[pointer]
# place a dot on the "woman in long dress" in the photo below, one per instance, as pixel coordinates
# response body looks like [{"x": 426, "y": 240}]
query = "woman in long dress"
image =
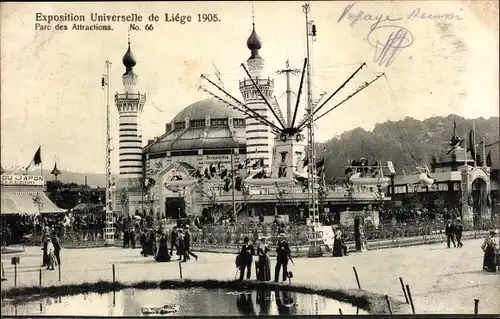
[
  {"x": 489, "y": 247},
  {"x": 151, "y": 243},
  {"x": 337, "y": 244},
  {"x": 162, "y": 255},
  {"x": 263, "y": 263}
]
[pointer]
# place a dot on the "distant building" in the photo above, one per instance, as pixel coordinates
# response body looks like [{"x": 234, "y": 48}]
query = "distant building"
[
  {"x": 454, "y": 181},
  {"x": 25, "y": 195}
]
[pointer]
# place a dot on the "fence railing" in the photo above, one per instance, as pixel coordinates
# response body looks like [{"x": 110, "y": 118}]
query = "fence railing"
[{"x": 298, "y": 235}]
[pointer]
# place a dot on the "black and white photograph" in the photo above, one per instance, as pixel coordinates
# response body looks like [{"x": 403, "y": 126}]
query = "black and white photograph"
[{"x": 250, "y": 159}]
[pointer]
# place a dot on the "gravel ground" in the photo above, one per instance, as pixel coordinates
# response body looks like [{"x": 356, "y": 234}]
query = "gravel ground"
[{"x": 441, "y": 280}]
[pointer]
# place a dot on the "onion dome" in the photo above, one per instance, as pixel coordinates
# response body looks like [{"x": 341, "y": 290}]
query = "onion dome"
[
  {"x": 254, "y": 43},
  {"x": 128, "y": 60}
]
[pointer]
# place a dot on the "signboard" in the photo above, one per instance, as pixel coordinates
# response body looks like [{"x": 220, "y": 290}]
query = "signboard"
[
  {"x": 215, "y": 159},
  {"x": 31, "y": 180}
]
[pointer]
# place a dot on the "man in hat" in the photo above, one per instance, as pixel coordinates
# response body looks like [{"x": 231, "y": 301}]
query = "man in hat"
[
  {"x": 459, "y": 228},
  {"x": 245, "y": 258},
  {"x": 173, "y": 242},
  {"x": 187, "y": 244},
  {"x": 283, "y": 255},
  {"x": 450, "y": 233}
]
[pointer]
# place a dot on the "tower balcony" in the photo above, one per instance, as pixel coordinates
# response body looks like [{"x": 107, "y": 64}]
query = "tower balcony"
[
  {"x": 260, "y": 82},
  {"x": 130, "y": 97}
]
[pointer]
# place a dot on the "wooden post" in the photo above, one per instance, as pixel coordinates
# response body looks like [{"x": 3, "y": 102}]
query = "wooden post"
[
  {"x": 411, "y": 300},
  {"x": 180, "y": 269},
  {"x": 404, "y": 290},
  {"x": 357, "y": 278},
  {"x": 114, "y": 274},
  {"x": 40, "y": 276},
  {"x": 388, "y": 304},
  {"x": 59, "y": 270},
  {"x": 476, "y": 306}
]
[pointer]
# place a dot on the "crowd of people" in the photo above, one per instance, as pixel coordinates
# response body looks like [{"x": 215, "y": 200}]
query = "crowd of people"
[{"x": 154, "y": 242}]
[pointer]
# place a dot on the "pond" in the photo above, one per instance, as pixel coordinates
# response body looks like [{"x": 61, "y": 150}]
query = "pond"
[{"x": 180, "y": 302}]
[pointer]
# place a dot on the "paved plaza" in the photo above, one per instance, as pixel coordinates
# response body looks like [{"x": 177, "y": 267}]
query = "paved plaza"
[{"x": 442, "y": 280}]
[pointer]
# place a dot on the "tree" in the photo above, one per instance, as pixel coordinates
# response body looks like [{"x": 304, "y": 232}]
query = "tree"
[
  {"x": 322, "y": 195},
  {"x": 123, "y": 198}
]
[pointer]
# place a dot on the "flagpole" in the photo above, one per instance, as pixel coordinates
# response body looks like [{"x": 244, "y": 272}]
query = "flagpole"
[
  {"x": 41, "y": 162},
  {"x": 474, "y": 141},
  {"x": 465, "y": 151},
  {"x": 484, "y": 152}
]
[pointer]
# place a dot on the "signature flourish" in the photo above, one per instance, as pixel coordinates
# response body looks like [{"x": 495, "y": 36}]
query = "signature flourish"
[{"x": 389, "y": 41}]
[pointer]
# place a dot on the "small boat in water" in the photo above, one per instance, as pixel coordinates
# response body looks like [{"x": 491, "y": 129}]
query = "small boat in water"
[{"x": 160, "y": 311}]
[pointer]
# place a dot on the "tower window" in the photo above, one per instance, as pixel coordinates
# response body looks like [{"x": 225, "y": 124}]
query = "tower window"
[
  {"x": 219, "y": 122},
  {"x": 225, "y": 122},
  {"x": 283, "y": 156},
  {"x": 213, "y": 122}
]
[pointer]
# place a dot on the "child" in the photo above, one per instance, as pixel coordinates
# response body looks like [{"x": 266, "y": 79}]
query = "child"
[{"x": 51, "y": 254}]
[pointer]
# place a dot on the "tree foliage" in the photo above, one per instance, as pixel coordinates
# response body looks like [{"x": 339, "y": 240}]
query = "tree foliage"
[{"x": 68, "y": 195}]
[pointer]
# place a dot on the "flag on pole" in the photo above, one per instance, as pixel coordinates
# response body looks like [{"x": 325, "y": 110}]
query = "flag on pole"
[
  {"x": 488, "y": 159},
  {"x": 104, "y": 81},
  {"x": 37, "y": 159},
  {"x": 472, "y": 144}
]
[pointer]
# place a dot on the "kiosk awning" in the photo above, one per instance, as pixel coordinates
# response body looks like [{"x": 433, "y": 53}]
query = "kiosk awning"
[{"x": 27, "y": 203}]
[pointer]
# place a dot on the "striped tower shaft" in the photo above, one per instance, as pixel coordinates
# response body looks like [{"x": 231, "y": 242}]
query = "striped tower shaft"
[
  {"x": 258, "y": 135},
  {"x": 130, "y": 140},
  {"x": 130, "y": 105}
]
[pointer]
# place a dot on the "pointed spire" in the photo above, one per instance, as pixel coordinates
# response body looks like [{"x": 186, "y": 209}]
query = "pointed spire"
[
  {"x": 55, "y": 171},
  {"x": 455, "y": 139},
  {"x": 128, "y": 59}
]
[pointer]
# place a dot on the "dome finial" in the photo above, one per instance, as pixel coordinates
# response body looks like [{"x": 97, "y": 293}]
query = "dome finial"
[
  {"x": 253, "y": 42},
  {"x": 128, "y": 59}
]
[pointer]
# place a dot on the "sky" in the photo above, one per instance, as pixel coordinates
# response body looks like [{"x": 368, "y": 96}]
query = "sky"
[{"x": 51, "y": 79}]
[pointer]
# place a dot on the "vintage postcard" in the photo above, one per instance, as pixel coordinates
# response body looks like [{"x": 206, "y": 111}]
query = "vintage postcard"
[{"x": 250, "y": 158}]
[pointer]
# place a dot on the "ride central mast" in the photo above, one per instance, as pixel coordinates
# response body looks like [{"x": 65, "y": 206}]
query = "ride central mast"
[{"x": 315, "y": 249}]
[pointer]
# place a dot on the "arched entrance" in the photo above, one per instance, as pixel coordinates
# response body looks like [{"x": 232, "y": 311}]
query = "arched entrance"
[
  {"x": 175, "y": 207},
  {"x": 479, "y": 198}
]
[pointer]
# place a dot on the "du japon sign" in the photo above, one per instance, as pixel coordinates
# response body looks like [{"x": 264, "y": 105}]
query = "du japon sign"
[{"x": 30, "y": 180}]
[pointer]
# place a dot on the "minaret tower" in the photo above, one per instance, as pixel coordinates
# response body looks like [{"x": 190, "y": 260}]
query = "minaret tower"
[
  {"x": 130, "y": 105},
  {"x": 259, "y": 136}
]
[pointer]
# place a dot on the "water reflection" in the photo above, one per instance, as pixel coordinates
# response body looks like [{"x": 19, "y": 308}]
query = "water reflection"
[{"x": 129, "y": 302}]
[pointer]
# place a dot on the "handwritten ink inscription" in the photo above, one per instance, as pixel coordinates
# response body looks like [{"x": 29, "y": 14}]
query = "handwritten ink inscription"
[
  {"x": 388, "y": 38},
  {"x": 388, "y": 41}
]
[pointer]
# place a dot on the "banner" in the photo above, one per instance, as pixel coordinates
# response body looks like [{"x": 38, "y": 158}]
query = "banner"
[
  {"x": 31, "y": 180},
  {"x": 215, "y": 159}
]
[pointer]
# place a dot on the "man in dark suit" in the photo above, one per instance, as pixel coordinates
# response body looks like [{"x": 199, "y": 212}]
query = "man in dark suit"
[
  {"x": 450, "y": 233},
  {"x": 173, "y": 241},
  {"x": 459, "y": 228},
  {"x": 187, "y": 244},
  {"x": 246, "y": 258},
  {"x": 283, "y": 255}
]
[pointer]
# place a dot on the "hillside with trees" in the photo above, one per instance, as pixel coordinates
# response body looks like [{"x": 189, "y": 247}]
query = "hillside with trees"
[{"x": 407, "y": 143}]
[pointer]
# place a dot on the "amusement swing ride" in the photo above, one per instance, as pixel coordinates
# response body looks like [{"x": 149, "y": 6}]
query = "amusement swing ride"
[{"x": 290, "y": 134}]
